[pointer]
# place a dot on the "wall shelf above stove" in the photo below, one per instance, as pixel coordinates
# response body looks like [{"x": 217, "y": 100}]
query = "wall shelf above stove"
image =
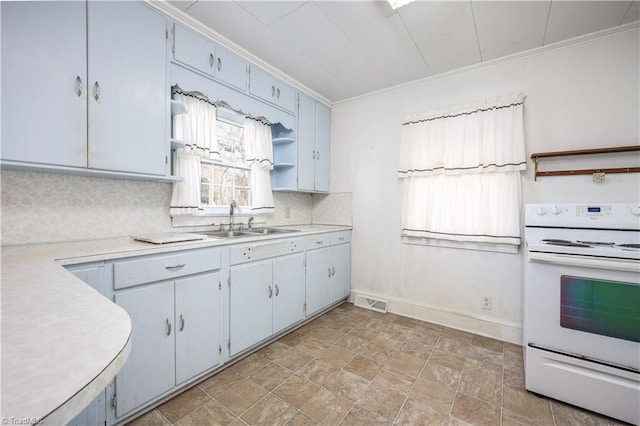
[{"x": 611, "y": 150}]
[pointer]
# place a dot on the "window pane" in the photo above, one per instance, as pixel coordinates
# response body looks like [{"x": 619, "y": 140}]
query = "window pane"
[
  {"x": 242, "y": 177},
  {"x": 242, "y": 196}
]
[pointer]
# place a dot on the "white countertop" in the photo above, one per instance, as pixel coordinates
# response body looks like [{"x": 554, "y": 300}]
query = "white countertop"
[{"x": 63, "y": 342}]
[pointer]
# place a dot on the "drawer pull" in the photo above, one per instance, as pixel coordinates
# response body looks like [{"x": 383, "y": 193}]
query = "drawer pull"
[
  {"x": 340, "y": 238},
  {"x": 181, "y": 322},
  {"x": 320, "y": 241},
  {"x": 168, "y": 327},
  {"x": 175, "y": 267}
]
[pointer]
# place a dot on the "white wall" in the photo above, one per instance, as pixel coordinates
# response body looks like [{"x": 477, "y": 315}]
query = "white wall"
[{"x": 584, "y": 95}]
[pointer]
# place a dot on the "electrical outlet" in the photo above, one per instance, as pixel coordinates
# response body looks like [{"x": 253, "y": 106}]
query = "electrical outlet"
[
  {"x": 486, "y": 303},
  {"x": 287, "y": 212}
]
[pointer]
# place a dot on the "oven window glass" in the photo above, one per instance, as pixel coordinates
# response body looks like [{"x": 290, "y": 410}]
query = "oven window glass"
[{"x": 603, "y": 307}]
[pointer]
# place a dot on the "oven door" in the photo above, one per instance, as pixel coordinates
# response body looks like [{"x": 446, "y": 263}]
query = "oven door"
[{"x": 584, "y": 307}]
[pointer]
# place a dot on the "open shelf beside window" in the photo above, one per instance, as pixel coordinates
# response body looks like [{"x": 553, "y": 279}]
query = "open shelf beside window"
[
  {"x": 539, "y": 155},
  {"x": 285, "y": 158}
]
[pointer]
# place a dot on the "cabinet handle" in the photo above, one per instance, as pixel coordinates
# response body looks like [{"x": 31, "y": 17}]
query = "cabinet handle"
[
  {"x": 78, "y": 86},
  {"x": 181, "y": 322},
  {"x": 270, "y": 292},
  {"x": 175, "y": 267},
  {"x": 273, "y": 91},
  {"x": 219, "y": 64},
  {"x": 211, "y": 60},
  {"x": 341, "y": 239},
  {"x": 314, "y": 154},
  {"x": 278, "y": 93},
  {"x": 96, "y": 91},
  {"x": 333, "y": 271},
  {"x": 168, "y": 327},
  {"x": 277, "y": 290},
  {"x": 329, "y": 269},
  {"x": 320, "y": 241},
  {"x": 317, "y": 155}
]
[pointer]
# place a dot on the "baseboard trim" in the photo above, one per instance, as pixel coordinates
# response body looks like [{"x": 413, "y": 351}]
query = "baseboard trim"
[{"x": 490, "y": 327}]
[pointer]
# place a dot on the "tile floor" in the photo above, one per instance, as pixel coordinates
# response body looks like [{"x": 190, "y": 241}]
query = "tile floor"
[{"x": 353, "y": 366}]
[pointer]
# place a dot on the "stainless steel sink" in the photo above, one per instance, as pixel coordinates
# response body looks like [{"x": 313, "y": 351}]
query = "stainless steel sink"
[
  {"x": 270, "y": 230},
  {"x": 227, "y": 234},
  {"x": 254, "y": 232}
]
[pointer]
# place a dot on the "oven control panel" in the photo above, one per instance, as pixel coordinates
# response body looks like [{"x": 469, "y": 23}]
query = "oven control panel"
[
  {"x": 584, "y": 215},
  {"x": 594, "y": 211}
]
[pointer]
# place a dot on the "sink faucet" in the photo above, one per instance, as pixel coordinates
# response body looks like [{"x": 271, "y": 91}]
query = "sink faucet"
[
  {"x": 233, "y": 206},
  {"x": 250, "y": 222}
]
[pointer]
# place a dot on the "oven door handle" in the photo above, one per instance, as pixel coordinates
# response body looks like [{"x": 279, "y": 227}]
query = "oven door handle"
[{"x": 585, "y": 262}]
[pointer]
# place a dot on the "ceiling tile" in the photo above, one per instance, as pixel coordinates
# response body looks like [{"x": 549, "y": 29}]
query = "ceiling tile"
[
  {"x": 507, "y": 27},
  {"x": 181, "y": 4},
  {"x": 351, "y": 16},
  {"x": 387, "y": 44},
  {"x": 312, "y": 75},
  {"x": 444, "y": 32},
  {"x": 633, "y": 14},
  {"x": 268, "y": 12},
  {"x": 235, "y": 23},
  {"x": 568, "y": 19}
]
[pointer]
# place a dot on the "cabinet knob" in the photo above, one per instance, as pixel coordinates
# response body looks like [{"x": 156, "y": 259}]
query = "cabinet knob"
[
  {"x": 78, "y": 86},
  {"x": 96, "y": 91}
]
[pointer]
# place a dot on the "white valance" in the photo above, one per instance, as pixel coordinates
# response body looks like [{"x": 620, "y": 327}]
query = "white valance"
[
  {"x": 259, "y": 146},
  {"x": 461, "y": 170},
  {"x": 197, "y": 126},
  {"x": 482, "y": 137}
]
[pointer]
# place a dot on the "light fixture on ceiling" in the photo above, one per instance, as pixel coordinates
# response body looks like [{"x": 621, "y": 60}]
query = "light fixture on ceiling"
[{"x": 398, "y": 3}]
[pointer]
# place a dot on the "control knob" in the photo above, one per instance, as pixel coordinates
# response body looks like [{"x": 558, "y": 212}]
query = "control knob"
[
  {"x": 556, "y": 210},
  {"x": 541, "y": 211},
  {"x": 635, "y": 210}
]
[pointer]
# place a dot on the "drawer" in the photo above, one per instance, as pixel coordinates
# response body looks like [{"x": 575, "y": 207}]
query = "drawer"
[
  {"x": 257, "y": 251},
  {"x": 317, "y": 241},
  {"x": 147, "y": 269},
  {"x": 340, "y": 237}
]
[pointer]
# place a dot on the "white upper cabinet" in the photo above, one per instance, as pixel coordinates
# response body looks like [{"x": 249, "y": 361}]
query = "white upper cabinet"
[
  {"x": 209, "y": 58},
  {"x": 128, "y": 90},
  {"x": 269, "y": 88},
  {"x": 314, "y": 145},
  {"x": 44, "y": 84},
  {"x": 72, "y": 69}
]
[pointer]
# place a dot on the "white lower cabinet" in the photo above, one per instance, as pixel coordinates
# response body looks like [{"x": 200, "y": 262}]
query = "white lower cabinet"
[
  {"x": 328, "y": 273},
  {"x": 265, "y": 297},
  {"x": 175, "y": 334}
]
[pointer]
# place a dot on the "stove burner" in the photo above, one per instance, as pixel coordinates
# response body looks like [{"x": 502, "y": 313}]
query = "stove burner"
[
  {"x": 566, "y": 243},
  {"x": 628, "y": 246},
  {"x": 597, "y": 243}
]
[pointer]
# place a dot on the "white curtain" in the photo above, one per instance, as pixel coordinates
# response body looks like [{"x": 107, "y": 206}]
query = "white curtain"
[
  {"x": 259, "y": 147},
  {"x": 196, "y": 127},
  {"x": 461, "y": 169}
]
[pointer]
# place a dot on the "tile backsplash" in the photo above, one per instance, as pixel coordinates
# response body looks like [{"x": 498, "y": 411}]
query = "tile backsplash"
[{"x": 43, "y": 207}]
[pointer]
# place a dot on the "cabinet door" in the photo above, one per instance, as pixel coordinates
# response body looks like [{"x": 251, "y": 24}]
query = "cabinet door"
[
  {"x": 288, "y": 284},
  {"x": 231, "y": 68},
  {"x": 341, "y": 272},
  {"x": 44, "y": 68},
  {"x": 250, "y": 307},
  {"x": 306, "y": 142},
  {"x": 197, "y": 326},
  {"x": 150, "y": 368},
  {"x": 271, "y": 89},
  {"x": 127, "y": 74},
  {"x": 318, "y": 289},
  {"x": 323, "y": 147},
  {"x": 193, "y": 50}
]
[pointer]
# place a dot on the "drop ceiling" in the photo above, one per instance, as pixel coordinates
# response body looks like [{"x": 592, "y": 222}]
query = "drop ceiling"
[{"x": 343, "y": 49}]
